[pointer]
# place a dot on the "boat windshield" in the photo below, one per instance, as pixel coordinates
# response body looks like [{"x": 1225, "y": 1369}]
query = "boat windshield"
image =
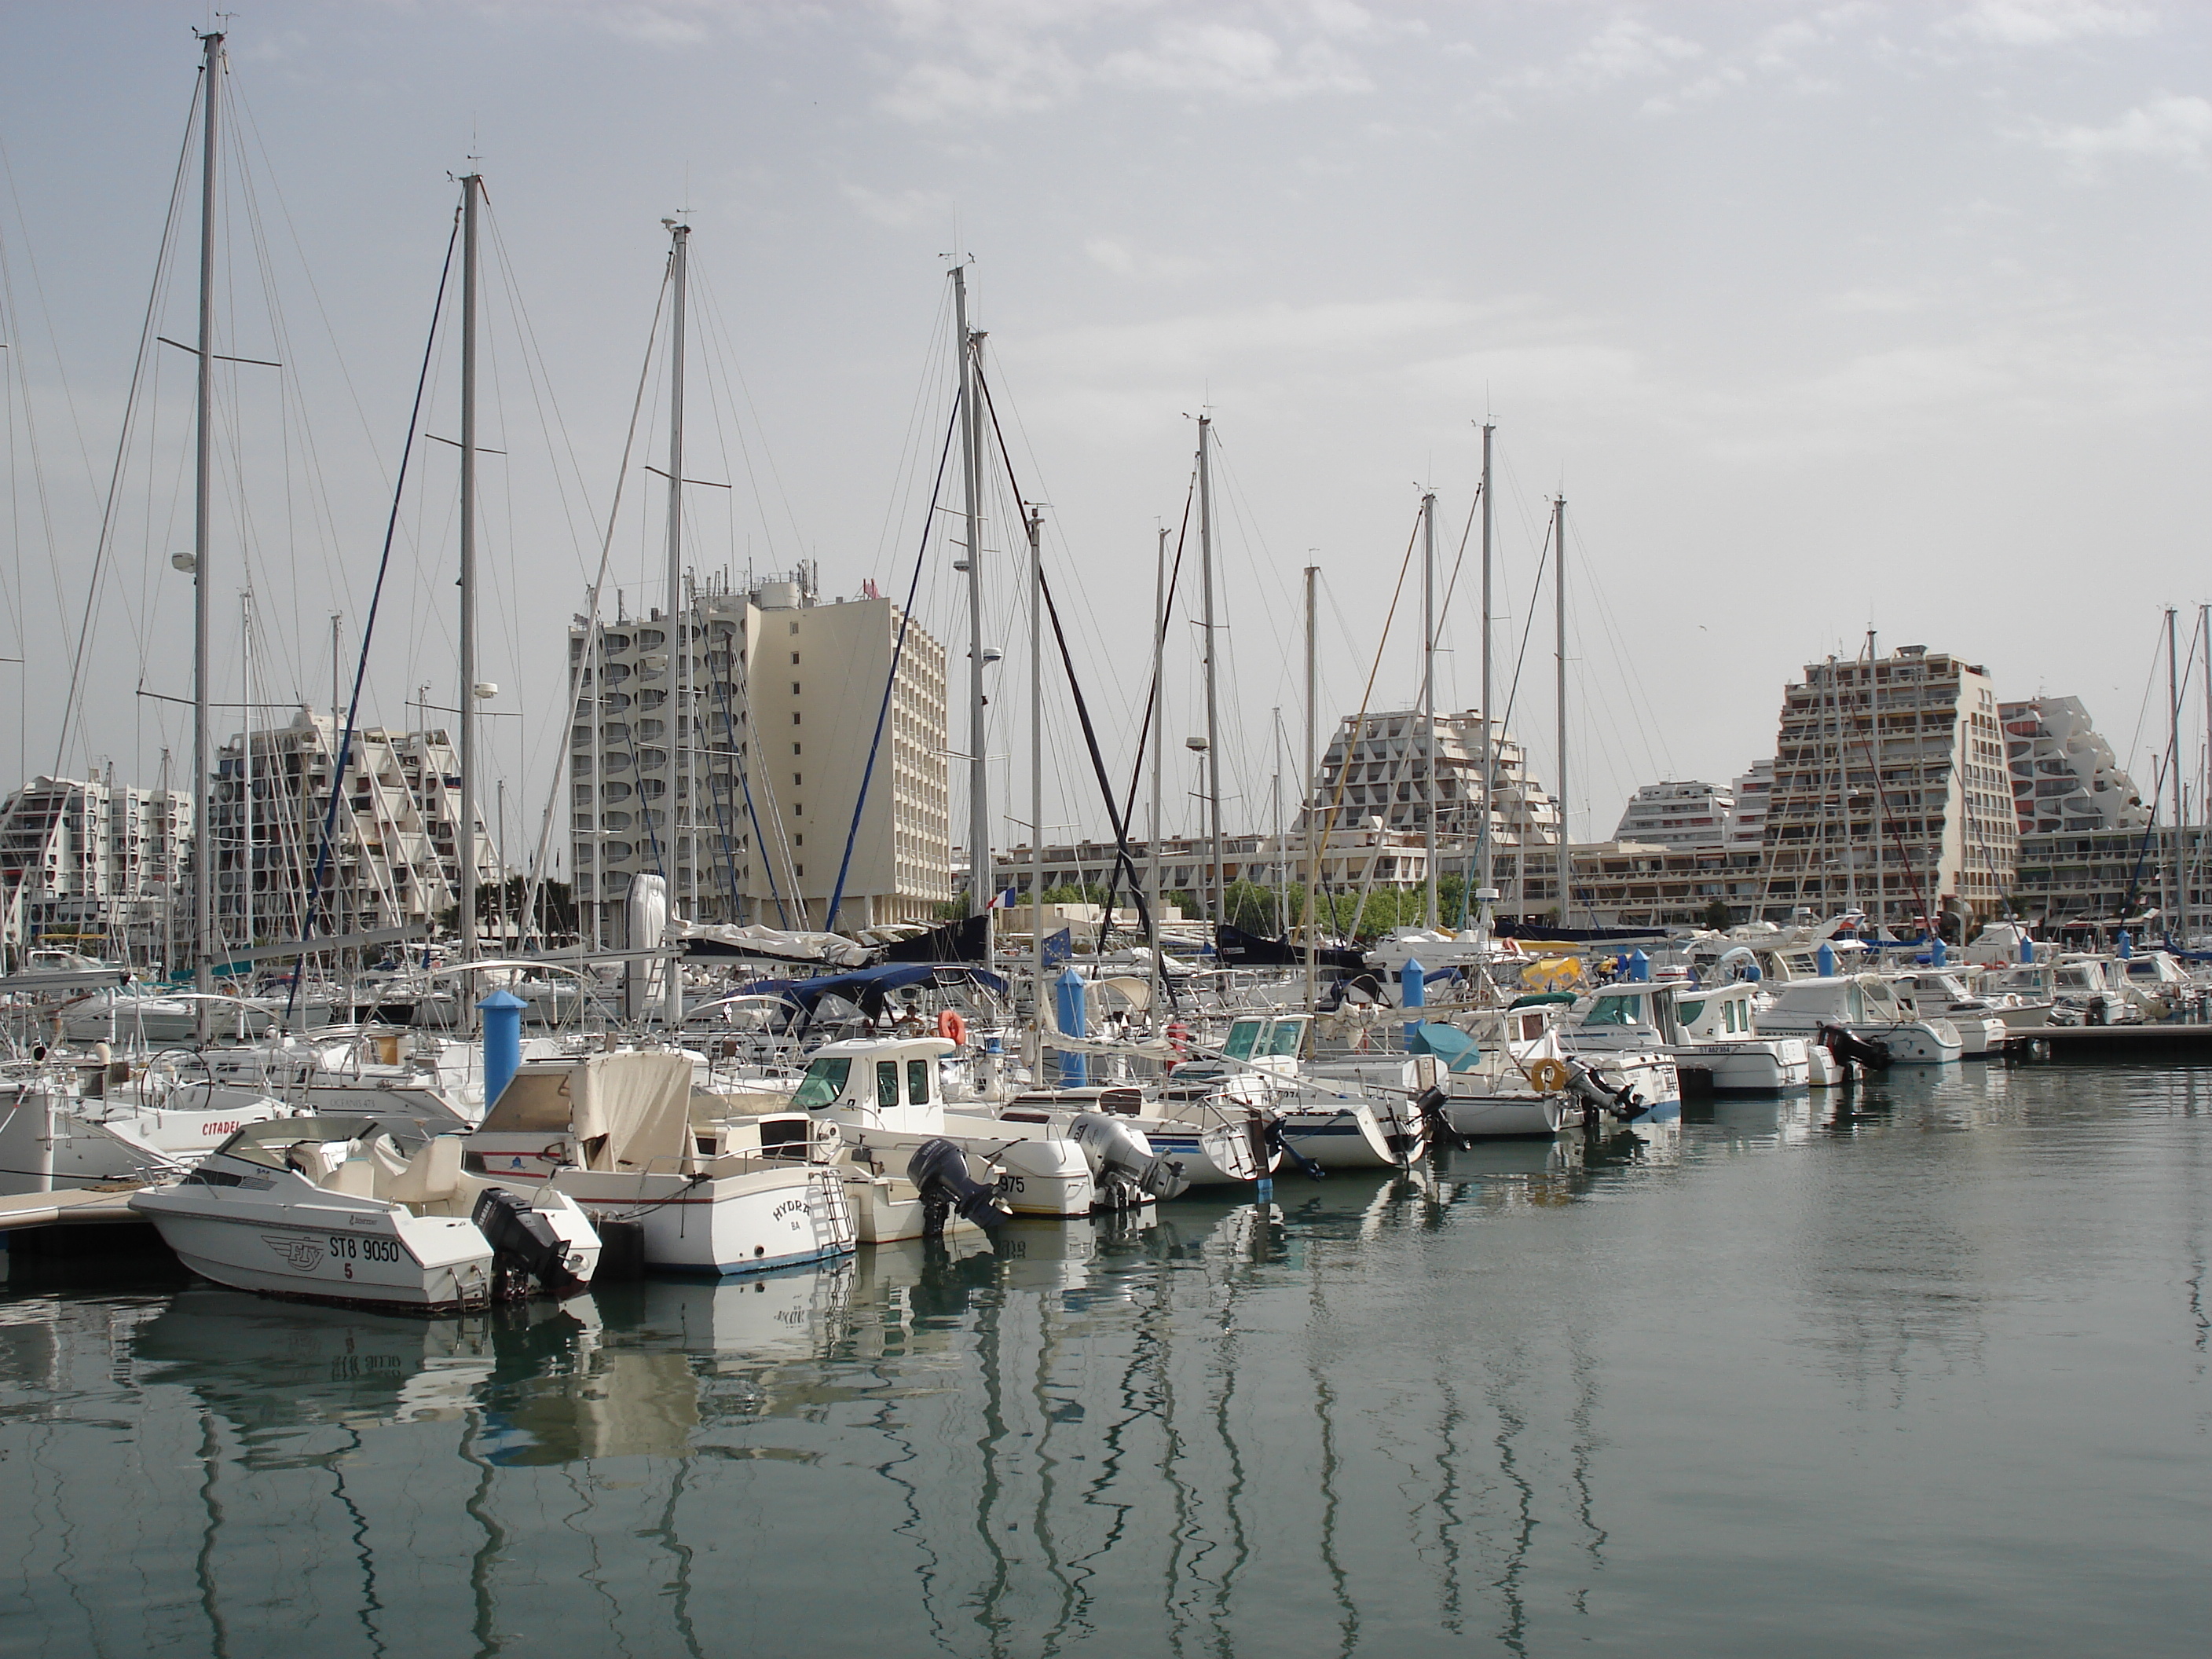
[
  {"x": 824, "y": 1082},
  {"x": 267, "y": 1142},
  {"x": 1615, "y": 1010},
  {"x": 1286, "y": 1038},
  {"x": 1692, "y": 1012},
  {"x": 1243, "y": 1037}
]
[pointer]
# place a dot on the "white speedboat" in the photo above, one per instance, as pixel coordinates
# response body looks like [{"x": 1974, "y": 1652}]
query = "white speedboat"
[
  {"x": 54, "y": 1136},
  {"x": 1349, "y": 1112},
  {"x": 1865, "y": 1007},
  {"x": 614, "y": 1132},
  {"x": 1219, "y": 1141},
  {"x": 886, "y": 1097},
  {"x": 1720, "y": 1041},
  {"x": 1938, "y": 993},
  {"x": 1626, "y": 1031},
  {"x": 328, "y": 1210}
]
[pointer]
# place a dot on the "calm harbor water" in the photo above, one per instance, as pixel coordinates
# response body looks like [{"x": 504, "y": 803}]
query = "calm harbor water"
[{"x": 1924, "y": 1372}]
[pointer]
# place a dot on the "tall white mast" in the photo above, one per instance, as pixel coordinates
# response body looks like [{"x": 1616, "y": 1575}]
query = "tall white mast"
[
  {"x": 678, "y": 704},
  {"x": 2177, "y": 916},
  {"x": 1484, "y": 885},
  {"x": 1559, "y": 601},
  {"x": 1310, "y": 799},
  {"x": 202, "y": 496},
  {"x": 1429, "y": 695},
  {"x": 1042, "y": 1001},
  {"x": 1159, "y": 726},
  {"x": 465, "y": 839},
  {"x": 1213, "y": 702},
  {"x": 245, "y": 859},
  {"x": 2204, "y": 806},
  {"x": 1881, "y": 804},
  {"x": 982, "y": 888}
]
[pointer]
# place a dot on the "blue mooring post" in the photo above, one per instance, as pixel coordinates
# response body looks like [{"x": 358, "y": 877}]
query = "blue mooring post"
[
  {"x": 1939, "y": 951},
  {"x": 2026, "y": 948},
  {"x": 1823, "y": 959},
  {"x": 1639, "y": 967},
  {"x": 2127, "y": 946},
  {"x": 502, "y": 1029},
  {"x": 1067, "y": 991},
  {"x": 1412, "y": 991}
]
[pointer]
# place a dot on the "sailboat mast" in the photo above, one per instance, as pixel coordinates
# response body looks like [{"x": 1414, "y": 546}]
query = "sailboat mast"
[
  {"x": 982, "y": 888},
  {"x": 1484, "y": 852},
  {"x": 1880, "y": 805},
  {"x": 679, "y": 728},
  {"x": 1036, "y": 779},
  {"x": 465, "y": 839},
  {"x": 2205, "y": 807},
  {"x": 1429, "y": 697},
  {"x": 1310, "y": 800},
  {"x": 1212, "y": 702},
  {"x": 245, "y": 767},
  {"x": 1559, "y": 622},
  {"x": 203, "y": 498},
  {"x": 2176, "y": 915},
  {"x": 1159, "y": 726}
]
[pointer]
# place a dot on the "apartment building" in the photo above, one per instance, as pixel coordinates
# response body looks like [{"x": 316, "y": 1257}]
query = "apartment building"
[
  {"x": 1892, "y": 790},
  {"x": 92, "y": 859},
  {"x": 1753, "y": 792},
  {"x": 396, "y": 846},
  {"x": 727, "y": 753},
  {"x": 1387, "y": 767},
  {"x": 1351, "y": 859},
  {"x": 1678, "y": 815},
  {"x": 2064, "y": 775}
]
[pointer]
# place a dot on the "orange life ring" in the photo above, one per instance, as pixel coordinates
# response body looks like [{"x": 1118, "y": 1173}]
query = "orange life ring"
[
  {"x": 1548, "y": 1076},
  {"x": 951, "y": 1025}
]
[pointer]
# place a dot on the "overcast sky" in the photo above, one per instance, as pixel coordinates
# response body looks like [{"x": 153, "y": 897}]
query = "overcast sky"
[{"x": 1824, "y": 317}]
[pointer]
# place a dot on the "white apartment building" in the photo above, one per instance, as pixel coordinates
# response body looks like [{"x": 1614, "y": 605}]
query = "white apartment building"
[
  {"x": 764, "y": 707},
  {"x": 1890, "y": 791},
  {"x": 2064, "y": 775},
  {"x": 92, "y": 859},
  {"x": 396, "y": 852},
  {"x": 1386, "y": 768},
  {"x": 1351, "y": 857},
  {"x": 1754, "y": 793},
  {"x": 1677, "y": 815}
]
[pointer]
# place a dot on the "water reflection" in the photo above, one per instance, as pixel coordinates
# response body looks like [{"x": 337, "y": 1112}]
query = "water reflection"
[{"x": 1390, "y": 1415}]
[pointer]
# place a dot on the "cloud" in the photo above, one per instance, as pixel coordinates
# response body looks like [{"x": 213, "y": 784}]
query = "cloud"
[
  {"x": 2045, "y": 22},
  {"x": 2167, "y": 128},
  {"x": 1625, "y": 49},
  {"x": 1123, "y": 260},
  {"x": 1236, "y": 61},
  {"x": 902, "y": 208}
]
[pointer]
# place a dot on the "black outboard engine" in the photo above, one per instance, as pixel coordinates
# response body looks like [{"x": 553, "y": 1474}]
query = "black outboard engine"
[
  {"x": 1123, "y": 1163},
  {"x": 1429, "y": 1103},
  {"x": 1601, "y": 1098},
  {"x": 1848, "y": 1048},
  {"x": 940, "y": 1169},
  {"x": 524, "y": 1248},
  {"x": 1276, "y": 1141}
]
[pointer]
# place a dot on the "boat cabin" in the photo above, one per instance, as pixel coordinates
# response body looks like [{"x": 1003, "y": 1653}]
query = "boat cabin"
[
  {"x": 890, "y": 1082},
  {"x": 1849, "y": 998},
  {"x": 1720, "y": 1013}
]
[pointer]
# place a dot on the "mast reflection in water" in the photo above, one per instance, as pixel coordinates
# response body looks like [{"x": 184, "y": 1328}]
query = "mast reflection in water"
[{"x": 1671, "y": 1389}]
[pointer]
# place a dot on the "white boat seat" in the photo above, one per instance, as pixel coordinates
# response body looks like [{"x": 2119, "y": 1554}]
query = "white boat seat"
[
  {"x": 433, "y": 1174},
  {"x": 356, "y": 1178}
]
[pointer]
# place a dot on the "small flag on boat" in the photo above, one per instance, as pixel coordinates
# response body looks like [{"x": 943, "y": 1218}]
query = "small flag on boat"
[{"x": 1001, "y": 901}]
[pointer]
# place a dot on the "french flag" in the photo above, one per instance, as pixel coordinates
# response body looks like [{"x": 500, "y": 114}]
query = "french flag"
[{"x": 1001, "y": 901}]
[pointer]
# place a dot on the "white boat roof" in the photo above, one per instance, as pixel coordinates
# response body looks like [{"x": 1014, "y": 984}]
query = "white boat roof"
[{"x": 883, "y": 1048}]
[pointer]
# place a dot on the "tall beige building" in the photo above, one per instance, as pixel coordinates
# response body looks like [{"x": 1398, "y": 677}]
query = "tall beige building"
[
  {"x": 92, "y": 859},
  {"x": 1890, "y": 791},
  {"x": 774, "y": 717}
]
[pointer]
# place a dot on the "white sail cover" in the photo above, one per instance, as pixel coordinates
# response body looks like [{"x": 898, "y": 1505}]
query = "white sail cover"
[
  {"x": 646, "y": 908},
  {"x": 641, "y": 1103},
  {"x": 782, "y": 945}
]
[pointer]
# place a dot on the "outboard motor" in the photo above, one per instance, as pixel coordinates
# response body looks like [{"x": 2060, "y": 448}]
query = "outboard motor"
[
  {"x": 1122, "y": 1162},
  {"x": 1848, "y": 1048},
  {"x": 1276, "y": 1141},
  {"x": 1430, "y": 1103},
  {"x": 940, "y": 1169},
  {"x": 1601, "y": 1098},
  {"x": 524, "y": 1247},
  {"x": 1404, "y": 1131}
]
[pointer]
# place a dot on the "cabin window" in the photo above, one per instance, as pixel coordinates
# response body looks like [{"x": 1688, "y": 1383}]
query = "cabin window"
[
  {"x": 887, "y": 1082},
  {"x": 917, "y": 1083},
  {"x": 1243, "y": 1036},
  {"x": 1287, "y": 1038},
  {"x": 825, "y": 1081},
  {"x": 1691, "y": 1012},
  {"x": 1613, "y": 1010}
]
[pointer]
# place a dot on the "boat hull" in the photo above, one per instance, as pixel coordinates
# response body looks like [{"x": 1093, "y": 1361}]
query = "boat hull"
[
  {"x": 753, "y": 1222},
  {"x": 355, "y": 1256}
]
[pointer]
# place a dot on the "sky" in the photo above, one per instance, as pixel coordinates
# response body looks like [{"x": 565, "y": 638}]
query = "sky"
[{"x": 1822, "y": 318}]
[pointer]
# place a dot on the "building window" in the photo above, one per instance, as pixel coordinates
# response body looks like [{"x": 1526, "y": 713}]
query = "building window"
[
  {"x": 794, "y": 717},
  {"x": 794, "y": 660},
  {"x": 797, "y": 780}
]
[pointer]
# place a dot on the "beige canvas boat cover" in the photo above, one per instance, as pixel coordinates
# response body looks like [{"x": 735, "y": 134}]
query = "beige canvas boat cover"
[{"x": 626, "y": 1110}]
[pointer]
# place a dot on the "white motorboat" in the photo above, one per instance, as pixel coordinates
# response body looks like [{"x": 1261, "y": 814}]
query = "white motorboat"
[
  {"x": 55, "y": 1134},
  {"x": 1349, "y": 1112},
  {"x": 327, "y": 1209},
  {"x": 1863, "y": 1006},
  {"x": 1719, "y": 1040},
  {"x": 614, "y": 1132},
  {"x": 1627, "y": 1031},
  {"x": 886, "y": 1097},
  {"x": 1938, "y": 993},
  {"x": 1218, "y": 1141}
]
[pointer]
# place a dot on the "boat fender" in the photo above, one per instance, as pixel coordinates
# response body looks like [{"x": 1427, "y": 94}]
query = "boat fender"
[
  {"x": 1548, "y": 1076},
  {"x": 939, "y": 1171},
  {"x": 523, "y": 1246},
  {"x": 1114, "y": 1149},
  {"x": 952, "y": 1027}
]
